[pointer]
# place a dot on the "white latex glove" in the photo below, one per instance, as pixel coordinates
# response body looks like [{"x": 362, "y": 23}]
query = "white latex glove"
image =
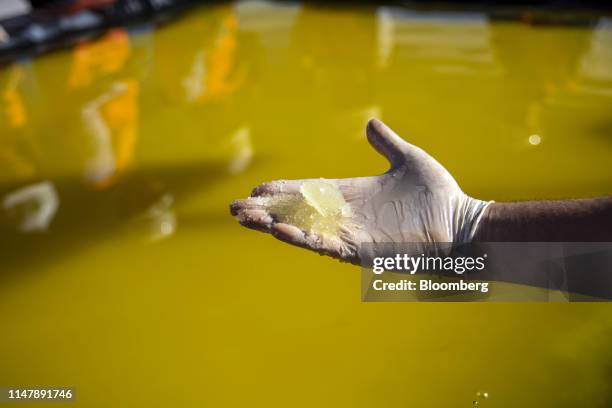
[{"x": 417, "y": 200}]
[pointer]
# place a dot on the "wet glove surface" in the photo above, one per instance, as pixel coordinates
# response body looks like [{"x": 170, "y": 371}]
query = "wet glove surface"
[{"x": 416, "y": 200}]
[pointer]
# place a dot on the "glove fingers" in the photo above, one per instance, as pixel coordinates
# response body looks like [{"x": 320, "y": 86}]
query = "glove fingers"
[
  {"x": 277, "y": 187},
  {"x": 323, "y": 245},
  {"x": 251, "y": 203},
  {"x": 259, "y": 220},
  {"x": 290, "y": 234}
]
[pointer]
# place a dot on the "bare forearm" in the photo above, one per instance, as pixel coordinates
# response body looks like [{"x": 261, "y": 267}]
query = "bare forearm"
[{"x": 581, "y": 220}]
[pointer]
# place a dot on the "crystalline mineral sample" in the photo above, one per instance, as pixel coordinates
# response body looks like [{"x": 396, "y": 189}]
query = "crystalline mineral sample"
[
  {"x": 323, "y": 197},
  {"x": 319, "y": 208}
]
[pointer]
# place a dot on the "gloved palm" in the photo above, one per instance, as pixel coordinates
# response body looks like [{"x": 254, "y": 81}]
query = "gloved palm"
[{"x": 417, "y": 200}]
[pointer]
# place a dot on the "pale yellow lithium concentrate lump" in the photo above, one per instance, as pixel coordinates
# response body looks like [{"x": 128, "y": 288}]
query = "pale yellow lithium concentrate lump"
[{"x": 319, "y": 208}]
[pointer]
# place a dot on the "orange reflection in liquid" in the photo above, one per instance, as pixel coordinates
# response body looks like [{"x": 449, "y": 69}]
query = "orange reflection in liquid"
[
  {"x": 121, "y": 114},
  {"x": 16, "y": 149},
  {"x": 106, "y": 55},
  {"x": 13, "y": 101},
  {"x": 222, "y": 79},
  {"x": 112, "y": 118}
]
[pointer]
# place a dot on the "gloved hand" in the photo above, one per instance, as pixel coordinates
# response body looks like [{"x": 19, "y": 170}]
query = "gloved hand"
[{"x": 417, "y": 200}]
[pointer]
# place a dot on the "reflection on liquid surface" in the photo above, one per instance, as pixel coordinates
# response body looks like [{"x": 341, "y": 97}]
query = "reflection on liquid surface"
[{"x": 124, "y": 276}]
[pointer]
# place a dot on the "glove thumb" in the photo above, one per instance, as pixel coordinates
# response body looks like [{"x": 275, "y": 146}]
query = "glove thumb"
[{"x": 386, "y": 142}]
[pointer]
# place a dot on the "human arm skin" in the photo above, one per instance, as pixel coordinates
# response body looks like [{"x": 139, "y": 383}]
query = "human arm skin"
[
  {"x": 579, "y": 220},
  {"x": 568, "y": 244}
]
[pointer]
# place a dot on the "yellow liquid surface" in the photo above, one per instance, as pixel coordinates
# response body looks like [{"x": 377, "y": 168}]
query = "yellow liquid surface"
[{"x": 125, "y": 277}]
